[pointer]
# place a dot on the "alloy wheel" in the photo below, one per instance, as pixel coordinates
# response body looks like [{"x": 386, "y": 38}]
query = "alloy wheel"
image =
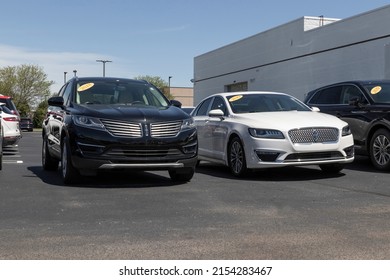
[{"x": 381, "y": 150}]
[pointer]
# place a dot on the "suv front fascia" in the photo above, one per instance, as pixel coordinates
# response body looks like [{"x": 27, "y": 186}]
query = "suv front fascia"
[{"x": 87, "y": 137}]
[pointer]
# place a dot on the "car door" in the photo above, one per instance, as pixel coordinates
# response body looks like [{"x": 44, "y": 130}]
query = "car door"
[
  {"x": 218, "y": 130},
  {"x": 200, "y": 116},
  {"x": 55, "y": 120},
  {"x": 345, "y": 101},
  {"x": 354, "y": 109}
]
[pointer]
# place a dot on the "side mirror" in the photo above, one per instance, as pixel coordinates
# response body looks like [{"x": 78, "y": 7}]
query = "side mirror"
[
  {"x": 315, "y": 109},
  {"x": 355, "y": 102},
  {"x": 176, "y": 103},
  {"x": 216, "y": 113},
  {"x": 57, "y": 101}
]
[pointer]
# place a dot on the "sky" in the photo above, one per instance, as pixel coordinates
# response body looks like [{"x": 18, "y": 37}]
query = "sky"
[{"x": 142, "y": 37}]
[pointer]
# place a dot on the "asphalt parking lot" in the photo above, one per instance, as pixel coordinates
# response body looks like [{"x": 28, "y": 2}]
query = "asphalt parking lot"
[{"x": 289, "y": 213}]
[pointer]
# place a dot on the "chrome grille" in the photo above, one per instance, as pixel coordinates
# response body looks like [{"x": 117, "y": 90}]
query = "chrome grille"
[
  {"x": 314, "y": 135},
  {"x": 122, "y": 128},
  {"x": 168, "y": 129},
  {"x": 141, "y": 153},
  {"x": 305, "y": 157}
]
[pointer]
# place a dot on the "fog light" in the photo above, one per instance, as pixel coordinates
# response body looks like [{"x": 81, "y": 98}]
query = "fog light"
[
  {"x": 350, "y": 151},
  {"x": 190, "y": 149},
  {"x": 267, "y": 156}
]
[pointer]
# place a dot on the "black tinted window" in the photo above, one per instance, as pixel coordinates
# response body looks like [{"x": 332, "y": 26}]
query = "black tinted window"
[
  {"x": 351, "y": 92},
  {"x": 218, "y": 103},
  {"x": 379, "y": 92},
  {"x": 330, "y": 95},
  {"x": 125, "y": 93},
  {"x": 203, "y": 108}
]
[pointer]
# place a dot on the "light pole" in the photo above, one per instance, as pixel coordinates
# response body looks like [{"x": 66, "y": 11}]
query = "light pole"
[
  {"x": 104, "y": 65},
  {"x": 65, "y": 77},
  {"x": 75, "y": 72},
  {"x": 169, "y": 85}
]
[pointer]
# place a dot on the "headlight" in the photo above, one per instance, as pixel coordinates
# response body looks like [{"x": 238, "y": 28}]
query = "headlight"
[
  {"x": 188, "y": 124},
  {"x": 89, "y": 122},
  {"x": 346, "y": 131},
  {"x": 266, "y": 133}
]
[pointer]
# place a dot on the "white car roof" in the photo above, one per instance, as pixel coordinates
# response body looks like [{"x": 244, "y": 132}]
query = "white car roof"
[{"x": 224, "y": 94}]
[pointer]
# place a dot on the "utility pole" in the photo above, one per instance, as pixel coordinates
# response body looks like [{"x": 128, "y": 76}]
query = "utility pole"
[
  {"x": 169, "y": 85},
  {"x": 104, "y": 65}
]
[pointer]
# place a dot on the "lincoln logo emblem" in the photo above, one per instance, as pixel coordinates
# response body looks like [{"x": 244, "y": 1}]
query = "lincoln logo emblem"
[
  {"x": 146, "y": 130},
  {"x": 315, "y": 135}
]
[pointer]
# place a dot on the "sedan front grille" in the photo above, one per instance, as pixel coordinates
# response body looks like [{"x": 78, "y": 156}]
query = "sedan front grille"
[
  {"x": 314, "y": 135},
  {"x": 122, "y": 128},
  {"x": 169, "y": 129}
]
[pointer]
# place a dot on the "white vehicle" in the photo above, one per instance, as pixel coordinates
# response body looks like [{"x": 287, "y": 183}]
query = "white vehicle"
[
  {"x": 1, "y": 143},
  {"x": 251, "y": 130},
  {"x": 10, "y": 126}
]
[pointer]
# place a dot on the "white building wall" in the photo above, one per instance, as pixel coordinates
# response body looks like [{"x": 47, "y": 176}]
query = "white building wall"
[{"x": 289, "y": 59}]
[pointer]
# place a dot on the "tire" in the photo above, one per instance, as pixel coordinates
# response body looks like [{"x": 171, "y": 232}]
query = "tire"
[
  {"x": 332, "y": 168},
  {"x": 48, "y": 162},
  {"x": 70, "y": 175},
  {"x": 380, "y": 149},
  {"x": 182, "y": 174},
  {"x": 236, "y": 158}
]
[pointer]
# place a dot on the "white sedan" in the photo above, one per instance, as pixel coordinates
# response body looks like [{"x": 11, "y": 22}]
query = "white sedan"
[{"x": 251, "y": 130}]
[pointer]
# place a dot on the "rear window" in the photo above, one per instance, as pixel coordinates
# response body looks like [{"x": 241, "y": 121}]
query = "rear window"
[{"x": 9, "y": 104}]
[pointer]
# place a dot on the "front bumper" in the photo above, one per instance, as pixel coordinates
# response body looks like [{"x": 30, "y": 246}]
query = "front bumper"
[
  {"x": 11, "y": 140},
  {"x": 99, "y": 150},
  {"x": 265, "y": 153}
]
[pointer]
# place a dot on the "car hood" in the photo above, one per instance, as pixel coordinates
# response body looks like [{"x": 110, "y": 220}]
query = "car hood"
[
  {"x": 131, "y": 113},
  {"x": 291, "y": 119}
]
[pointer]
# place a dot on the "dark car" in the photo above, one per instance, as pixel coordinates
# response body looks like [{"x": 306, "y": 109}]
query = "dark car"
[
  {"x": 26, "y": 124},
  {"x": 111, "y": 123},
  {"x": 365, "y": 106},
  {"x": 7, "y": 100}
]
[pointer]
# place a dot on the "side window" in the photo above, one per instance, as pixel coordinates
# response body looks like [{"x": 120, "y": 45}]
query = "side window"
[
  {"x": 351, "y": 92},
  {"x": 61, "y": 92},
  {"x": 219, "y": 103},
  {"x": 67, "y": 94},
  {"x": 203, "y": 108},
  {"x": 328, "y": 96}
]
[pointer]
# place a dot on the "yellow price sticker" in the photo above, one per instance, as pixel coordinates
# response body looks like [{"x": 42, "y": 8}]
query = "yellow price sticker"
[
  {"x": 85, "y": 86},
  {"x": 376, "y": 90},
  {"x": 235, "y": 98}
]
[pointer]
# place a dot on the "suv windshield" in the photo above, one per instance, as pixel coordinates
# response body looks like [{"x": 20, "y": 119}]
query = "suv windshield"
[
  {"x": 254, "y": 103},
  {"x": 122, "y": 93},
  {"x": 379, "y": 92}
]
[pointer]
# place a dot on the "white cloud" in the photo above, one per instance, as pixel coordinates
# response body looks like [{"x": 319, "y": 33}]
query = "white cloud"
[{"x": 54, "y": 64}]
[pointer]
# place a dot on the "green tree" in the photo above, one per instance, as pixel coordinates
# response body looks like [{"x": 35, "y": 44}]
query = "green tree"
[
  {"x": 27, "y": 84},
  {"x": 158, "y": 82},
  {"x": 40, "y": 114}
]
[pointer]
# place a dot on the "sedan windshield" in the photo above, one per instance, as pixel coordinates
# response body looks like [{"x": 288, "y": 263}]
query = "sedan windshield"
[
  {"x": 379, "y": 92},
  {"x": 119, "y": 93},
  {"x": 254, "y": 103}
]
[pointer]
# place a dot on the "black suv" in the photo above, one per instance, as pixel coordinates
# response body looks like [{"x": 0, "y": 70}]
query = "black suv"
[
  {"x": 111, "y": 123},
  {"x": 365, "y": 106}
]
